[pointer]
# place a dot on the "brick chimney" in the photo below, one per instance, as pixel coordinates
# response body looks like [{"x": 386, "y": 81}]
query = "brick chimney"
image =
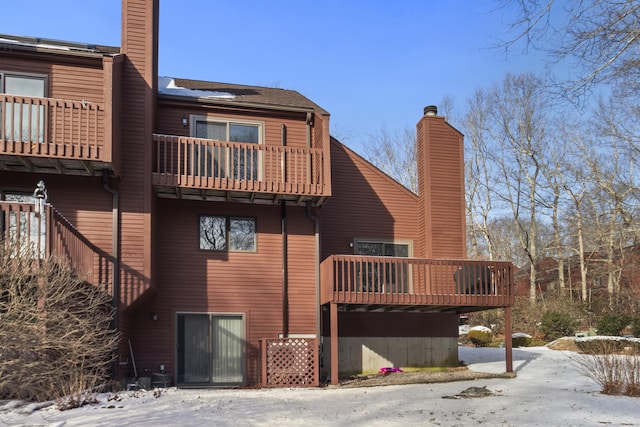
[{"x": 440, "y": 151}]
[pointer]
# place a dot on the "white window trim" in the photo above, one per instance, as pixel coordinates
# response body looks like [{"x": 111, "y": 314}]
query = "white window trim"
[{"x": 194, "y": 118}]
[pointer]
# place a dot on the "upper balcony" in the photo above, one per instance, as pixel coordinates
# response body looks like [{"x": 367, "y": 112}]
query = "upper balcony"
[
  {"x": 413, "y": 284},
  {"x": 205, "y": 169},
  {"x": 58, "y": 136}
]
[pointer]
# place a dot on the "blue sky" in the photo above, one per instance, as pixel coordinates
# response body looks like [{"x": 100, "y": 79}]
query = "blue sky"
[{"x": 369, "y": 63}]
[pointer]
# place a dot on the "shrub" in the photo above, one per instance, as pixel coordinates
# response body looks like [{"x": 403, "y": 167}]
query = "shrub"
[
  {"x": 612, "y": 324},
  {"x": 520, "y": 339},
  {"x": 607, "y": 345},
  {"x": 55, "y": 336},
  {"x": 556, "y": 325},
  {"x": 616, "y": 373},
  {"x": 480, "y": 336}
]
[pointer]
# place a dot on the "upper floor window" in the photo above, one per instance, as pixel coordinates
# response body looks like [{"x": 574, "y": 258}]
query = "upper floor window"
[
  {"x": 222, "y": 233},
  {"x": 24, "y": 120},
  {"x": 237, "y": 161}
]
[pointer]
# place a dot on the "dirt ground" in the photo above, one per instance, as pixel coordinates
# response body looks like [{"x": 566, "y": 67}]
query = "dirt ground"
[{"x": 419, "y": 377}]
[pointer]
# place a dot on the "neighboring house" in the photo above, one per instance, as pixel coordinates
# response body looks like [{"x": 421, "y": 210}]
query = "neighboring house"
[
  {"x": 604, "y": 277},
  {"x": 241, "y": 244}
]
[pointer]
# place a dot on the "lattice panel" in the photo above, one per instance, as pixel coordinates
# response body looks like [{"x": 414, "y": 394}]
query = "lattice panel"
[{"x": 290, "y": 362}]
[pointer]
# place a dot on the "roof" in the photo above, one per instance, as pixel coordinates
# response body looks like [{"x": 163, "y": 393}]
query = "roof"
[
  {"x": 217, "y": 92},
  {"x": 39, "y": 44},
  {"x": 203, "y": 91}
]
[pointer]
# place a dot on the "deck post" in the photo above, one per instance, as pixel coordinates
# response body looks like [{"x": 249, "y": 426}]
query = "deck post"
[
  {"x": 508, "y": 345},
  {"x": 333, "y": 317}
]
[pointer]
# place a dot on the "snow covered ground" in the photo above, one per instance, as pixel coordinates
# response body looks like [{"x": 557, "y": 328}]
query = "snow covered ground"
[{"x": 548, "y": 391}]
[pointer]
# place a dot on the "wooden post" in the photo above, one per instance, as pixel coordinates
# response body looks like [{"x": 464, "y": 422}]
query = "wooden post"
[
  {"x": 333, "y": 316},
  {"x": 507, "y": 339}
]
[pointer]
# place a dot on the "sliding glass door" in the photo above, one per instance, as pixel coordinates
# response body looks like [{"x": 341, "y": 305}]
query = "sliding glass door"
[{"x": 210, "y": 349}]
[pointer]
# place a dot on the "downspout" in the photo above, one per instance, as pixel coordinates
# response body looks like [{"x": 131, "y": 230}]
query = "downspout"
[
  {"x": 115, "y": 245},
  {"x": 309, "y": 123},
  {"x": 285, "y": 246}
]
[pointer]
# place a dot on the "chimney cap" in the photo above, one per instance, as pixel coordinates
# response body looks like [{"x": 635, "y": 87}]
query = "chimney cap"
[{"x": 430, "y": 110}]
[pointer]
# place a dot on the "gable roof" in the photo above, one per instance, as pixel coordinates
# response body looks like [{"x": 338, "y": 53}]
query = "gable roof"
[
  {"x": 373, "y": 168},
  {"x": 217, "y": 92}
]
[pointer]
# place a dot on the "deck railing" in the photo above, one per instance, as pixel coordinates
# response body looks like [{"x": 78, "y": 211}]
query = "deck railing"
[
  {"x": 58, "y": 128},
  {"x": 49, "y": 234},
  {"x": 236, "y": 166},
  {"x": 413, "y": 281}
]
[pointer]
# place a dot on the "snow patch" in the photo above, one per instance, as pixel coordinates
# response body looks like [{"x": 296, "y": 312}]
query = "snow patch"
[{"x": 167, "y": 86}]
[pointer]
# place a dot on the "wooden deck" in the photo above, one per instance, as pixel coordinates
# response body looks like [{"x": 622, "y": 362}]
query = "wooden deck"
[
  {"x": 206, "y": 169},
  {"x": 389, "y": 283},
  {"x": 55, "y": 136}
]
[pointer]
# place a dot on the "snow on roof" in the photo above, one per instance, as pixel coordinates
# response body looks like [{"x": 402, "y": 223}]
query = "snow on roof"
[{"x": 167, "y": 86}]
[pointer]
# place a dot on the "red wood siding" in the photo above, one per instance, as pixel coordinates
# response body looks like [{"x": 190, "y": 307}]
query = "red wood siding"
[
  {"x": 303, "y": 301},
  {"x": 441, "y": 187},
  {"x": 139, "y": 32},
  {"x": 192, "y": 280},
  {"x": 170, "y": 122},
  {"x": 82, "y": 79},
  {"x": 365, "y": 204}
]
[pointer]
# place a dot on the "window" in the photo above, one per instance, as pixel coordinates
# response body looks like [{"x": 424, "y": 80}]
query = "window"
[
  {"x": 225, "y": 161},
  {"x": 387, "y": 277},
  {"x": 233, "y": 234},
  {"x": 23, "y": 122}
]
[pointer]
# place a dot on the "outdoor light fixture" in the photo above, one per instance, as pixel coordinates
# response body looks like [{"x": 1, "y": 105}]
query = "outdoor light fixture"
[
  {"x": 185, "y": 121},
  {"x": 154, "y": 316},
  {"x": 40, "y": 196}
]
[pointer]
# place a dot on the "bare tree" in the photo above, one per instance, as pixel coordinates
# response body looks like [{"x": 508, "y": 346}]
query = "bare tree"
[
  {"x": 598, "y": 38},
  {"x": 517, "y": 110},
  {"x": 478, "y": 177},
  {"x": 394, "y": 152}
]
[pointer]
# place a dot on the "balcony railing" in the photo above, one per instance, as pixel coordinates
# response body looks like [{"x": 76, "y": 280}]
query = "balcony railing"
[
  {"x": 240, "y": 167},
  {"x": 54, "y": 128},
  {"x": 385, "y": 281},
  {"x": 49, "y": 234}
]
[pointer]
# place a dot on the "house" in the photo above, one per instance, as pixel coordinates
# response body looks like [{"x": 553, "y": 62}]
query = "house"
[
  {"x": 241, "y": 243},
  {"x": 605, "y": 277}
]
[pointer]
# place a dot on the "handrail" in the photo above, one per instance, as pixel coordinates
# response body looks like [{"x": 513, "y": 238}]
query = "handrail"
[
  {"x": 209, "y": 164},
  {"x": 415, "y": 281},
  {"x": 50, "y": 234}
]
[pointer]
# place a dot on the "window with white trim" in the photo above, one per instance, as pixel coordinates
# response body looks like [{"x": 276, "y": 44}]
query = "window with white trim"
[
  {"x": 236, "y": 161},
  {"x": 24, "y": 120},
  {"x": 227, "y": 234}
]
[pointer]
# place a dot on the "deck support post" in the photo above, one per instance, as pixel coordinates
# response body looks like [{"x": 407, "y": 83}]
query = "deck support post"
[
  {"x": 508, "y": 345},
  {"x": 333, "y": 318}
]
